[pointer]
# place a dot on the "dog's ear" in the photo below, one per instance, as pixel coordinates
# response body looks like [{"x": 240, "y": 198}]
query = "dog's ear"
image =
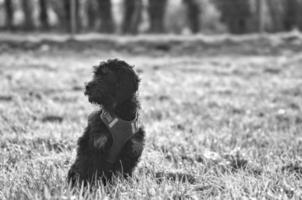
[{"x": 127, "y": 84}]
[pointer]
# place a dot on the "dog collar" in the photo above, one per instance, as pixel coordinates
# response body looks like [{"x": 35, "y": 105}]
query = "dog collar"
[{"x": 121, "y": 131}]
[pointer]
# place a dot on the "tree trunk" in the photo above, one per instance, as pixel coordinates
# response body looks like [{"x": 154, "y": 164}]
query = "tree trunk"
[
  {"x": 235, "y": 14},
  {"x": 92, "y": 14},
  {"x": 28, "y": 23},
  {"x": 43, "y": 14},
  {"x": 78, "y": 15},
  {"x": 291, "y": 14},
  {"x": 58, "y": 8},
  {"x": 260, "y": 22},
  {"x": 193, "y": 11},
  {"x": 67, "y": 15},
  {"x": 276, "y": 15},
  {"x": 156, "y": 11},
  {"x": 9, "y": 14},
  {"x": 132, "y": 16},
  {"x": 107, "y": 24},
  {"x": 300, "y": 15}
]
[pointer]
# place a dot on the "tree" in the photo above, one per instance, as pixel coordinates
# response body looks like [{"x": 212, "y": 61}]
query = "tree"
[
  {"x": 193, "y": 11},
  {"x": 107, "y": 23},
  {"x": 43, "y": 16},
  {"x": 9, "y": 14},
  {"x": 292, "y": 14},
  {"x": 92, "y": 12},
  {"x": 156, "y": 12},
  {"x": 132, "y": 16},
  {"x": 235, "y": 14},
  {"x": 58, "y": 8},
  {"x": 68, "y": 13},
  {"x": 275, "y": 9},
  {"x": 27, "y": 8},
  {"x": 260, "y": 21},
  {"x": 299, "y": 21}
]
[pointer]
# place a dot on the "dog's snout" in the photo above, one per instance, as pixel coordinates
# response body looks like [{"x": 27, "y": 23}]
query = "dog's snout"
[{"x": 88, "y": 86}]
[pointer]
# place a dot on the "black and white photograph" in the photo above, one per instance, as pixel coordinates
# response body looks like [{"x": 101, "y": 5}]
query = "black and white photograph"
[{"x": 150, "y": 99}]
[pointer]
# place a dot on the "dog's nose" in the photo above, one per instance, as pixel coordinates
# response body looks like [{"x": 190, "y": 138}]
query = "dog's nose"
[{"x": 87, "y": 88}]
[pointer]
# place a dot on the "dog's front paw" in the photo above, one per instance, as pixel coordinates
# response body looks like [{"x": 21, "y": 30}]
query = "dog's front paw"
[
  {"x": 137, "y": 147},
  {"x": 73, "y": 176},
  {"x": 100, "y": 142}
]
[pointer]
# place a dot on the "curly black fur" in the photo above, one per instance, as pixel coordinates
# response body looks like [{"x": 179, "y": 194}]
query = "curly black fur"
[{"x": 114, "y": 87}]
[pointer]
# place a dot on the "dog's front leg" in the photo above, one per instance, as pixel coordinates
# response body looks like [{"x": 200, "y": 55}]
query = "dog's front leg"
[
  {"x": 137, "y": 143},
  {"x": 131, "y": 153}
]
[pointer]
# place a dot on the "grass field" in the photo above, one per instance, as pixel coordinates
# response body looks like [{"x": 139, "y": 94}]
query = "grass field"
[{"x": 220, "y": 124}]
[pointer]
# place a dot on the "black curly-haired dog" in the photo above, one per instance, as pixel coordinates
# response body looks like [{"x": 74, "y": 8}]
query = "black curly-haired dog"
[{"x": 112, "y": 142}]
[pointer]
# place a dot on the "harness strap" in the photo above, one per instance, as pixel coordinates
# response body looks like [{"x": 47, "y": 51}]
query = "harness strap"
[{"x": 121, "y": 131}]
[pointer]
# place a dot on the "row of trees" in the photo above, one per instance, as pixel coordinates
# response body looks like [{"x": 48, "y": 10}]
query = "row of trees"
[
  {"x": 98, "y": 12},
  {"x": 238, "y": 16},
  {"x": 268, "y": 15},
  {"x": 27, "y": 8}
]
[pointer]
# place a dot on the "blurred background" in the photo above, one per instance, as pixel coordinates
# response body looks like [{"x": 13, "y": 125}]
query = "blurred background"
[{"x": 151, "y": 16}]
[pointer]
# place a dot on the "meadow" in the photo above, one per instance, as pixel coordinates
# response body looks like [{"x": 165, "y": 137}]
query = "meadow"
[{"x": 223, "y": 117}]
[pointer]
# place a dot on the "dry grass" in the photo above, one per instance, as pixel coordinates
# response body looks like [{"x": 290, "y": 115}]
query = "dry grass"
[{"x": 221, "y": 126}]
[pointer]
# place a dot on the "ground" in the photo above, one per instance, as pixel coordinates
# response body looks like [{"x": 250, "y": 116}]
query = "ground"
[{"x": 223, "y": 119}]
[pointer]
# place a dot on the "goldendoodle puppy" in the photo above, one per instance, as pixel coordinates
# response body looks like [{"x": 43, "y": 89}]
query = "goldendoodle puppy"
[{"x": 112, "y": 142}]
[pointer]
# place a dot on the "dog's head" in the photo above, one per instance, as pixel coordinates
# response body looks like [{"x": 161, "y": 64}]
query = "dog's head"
[{"x": 114, "y": 81}]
